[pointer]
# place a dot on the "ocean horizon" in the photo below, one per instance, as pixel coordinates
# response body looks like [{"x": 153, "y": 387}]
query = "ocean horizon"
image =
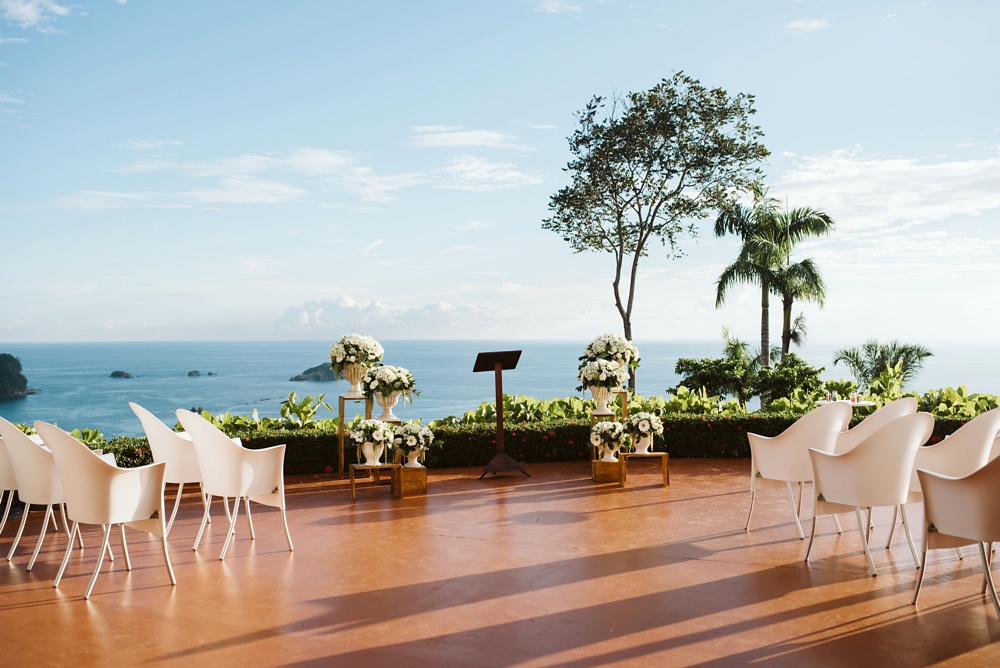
[{"x": 75, "y": 388}]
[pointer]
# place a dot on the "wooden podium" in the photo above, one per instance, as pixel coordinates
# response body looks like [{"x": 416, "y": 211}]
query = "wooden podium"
[{"x": 498, "y": 362}]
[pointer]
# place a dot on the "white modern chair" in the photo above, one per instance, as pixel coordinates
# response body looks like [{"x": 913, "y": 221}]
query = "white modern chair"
[
  {"x": 176, "y": 450},
  {"x": 8, "y": 483},
  {"x": 779, "y": 461},
  {"x": 98, "y": 492},
  {"x": 962, "y": 511},
  {"x": 880, "y": 418},
  {"x": 229, "y": 469},
  {"x": 38, "y": 483},
  {"x": 874, "y": 473}
]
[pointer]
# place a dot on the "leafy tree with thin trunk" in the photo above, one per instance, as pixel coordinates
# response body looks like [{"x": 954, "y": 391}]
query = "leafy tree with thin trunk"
[
  {"x": 797, "y": 281},
  {"x": 873, "y": 358},
  {"x": 647, "y": 164}
]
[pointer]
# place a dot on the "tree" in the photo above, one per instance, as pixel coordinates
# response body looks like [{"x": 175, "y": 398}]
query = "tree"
[
  {"x": 647, "y": 164},
  {"x": 768, "y": 234},
  {"x": 13, "y": 384},
  {"x": 873, "y": 358},
  {"x": 735, "y": 374}
]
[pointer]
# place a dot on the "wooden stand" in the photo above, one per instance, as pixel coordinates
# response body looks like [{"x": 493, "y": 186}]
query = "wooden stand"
[
  {"x": 664, "y": 462},
  {"x": 408, "y": 481},
  {"x": 374, "y": 470},
  {"x": 602, "y": 471},
  {"x": 368, "y": 415}
]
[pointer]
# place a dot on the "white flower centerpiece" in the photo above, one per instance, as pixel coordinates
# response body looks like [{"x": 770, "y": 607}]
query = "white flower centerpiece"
[
  {"x": 349, "y": 358},
  {"x": 413, "y": 438},
  {"x": 387, "y": 384},
  {"x": 612, "y": 347},
  {"x": 372, "y": 436},
  {"x": 641, "y": 427},
  {"x": 602, "y": 376},
  {"x": 608, "y": 437}
]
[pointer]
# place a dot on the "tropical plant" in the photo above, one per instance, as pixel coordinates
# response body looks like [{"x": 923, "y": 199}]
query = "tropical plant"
[
  {"x": 354, "y": 349},
  {"x": 802, "y": 281},
  {"x": 872, "y": 358},
  {"x": 790, "y": 374},
  {"x": 302, "y": 413},
  {"x": 646, "y": 162},
  {"x": 733, "y": 374},
  {"x": 768, "y": 235}
]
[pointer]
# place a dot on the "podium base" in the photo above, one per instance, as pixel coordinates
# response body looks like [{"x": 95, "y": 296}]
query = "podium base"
[{"x": 503, "y": 462}]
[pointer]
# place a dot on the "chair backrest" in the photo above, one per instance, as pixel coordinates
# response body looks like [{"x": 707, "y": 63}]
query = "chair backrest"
[
  {"x": 222, "y": 470},
  {"x": 7, "y": 479},
  {"x": 877, "y": 470},
  {"x": 968, "y": 507},
  {"x": 34, "y": 469},
  {"x": 169, "y": 446},
  {"x": 81, "y": 470},
  {"x": 847, "y": 440},
  {"x": 964, "y": 451},
  {"x": 816, "y": 429}
]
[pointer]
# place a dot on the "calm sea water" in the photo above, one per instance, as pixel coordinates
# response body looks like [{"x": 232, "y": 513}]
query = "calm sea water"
[{"x": 76, "y": 391}]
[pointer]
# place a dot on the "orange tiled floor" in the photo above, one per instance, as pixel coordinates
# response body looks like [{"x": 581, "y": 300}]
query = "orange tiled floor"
[{"x": 507, "y": 571}]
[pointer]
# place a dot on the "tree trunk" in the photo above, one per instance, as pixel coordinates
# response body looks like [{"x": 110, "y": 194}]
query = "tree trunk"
[
  {"x": 786, "y": 326},
  {"x": 765, "y": 335}
]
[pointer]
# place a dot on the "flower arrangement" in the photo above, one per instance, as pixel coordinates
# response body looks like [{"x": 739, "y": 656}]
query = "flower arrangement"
[
  {"x": 383, "y": 379},
  {"x": 412, "y": 436},
  {"x": 375, "y": 432},
  {"x": 601, "y": 373},
  {"x": 612, "y": 347},
  {"x": 607, "y": 437},
  {"x": 354, "y": 349},
  {"x": 644, "y": 424}
]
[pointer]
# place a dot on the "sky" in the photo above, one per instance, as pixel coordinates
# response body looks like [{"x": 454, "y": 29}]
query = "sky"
[{"x": 268, "y": 170}]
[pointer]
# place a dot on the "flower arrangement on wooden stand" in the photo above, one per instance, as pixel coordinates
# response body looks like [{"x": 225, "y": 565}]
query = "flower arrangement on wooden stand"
[{"x": 349, "y": 358}]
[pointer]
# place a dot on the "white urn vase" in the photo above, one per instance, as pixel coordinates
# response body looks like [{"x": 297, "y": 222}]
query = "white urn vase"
[
  {"x": 387, "y": 402},
  {"x": 413, "y": 460},
  {"x": 372, "y": 453},
  {"x": 354, "y": 373},
  {"x": 643, "y": 444},
  {"x": 608, "y": 453},
  {"x": 601, "y": 396}
]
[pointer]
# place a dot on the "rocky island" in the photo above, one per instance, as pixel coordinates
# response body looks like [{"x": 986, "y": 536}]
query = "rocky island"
[
  {"x": 13, "y": 384},
  {"x": 319, "y": 372}
]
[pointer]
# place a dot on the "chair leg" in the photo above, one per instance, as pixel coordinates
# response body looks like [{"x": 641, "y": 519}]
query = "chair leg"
[
  {"x": 798, "y": 510},
  {"x": 69, "y": 550},
  {"x": 166, "y": 558},
  {"x": 892, "y": 527},
  {"x": 961, "y": 555},
  {"x": 753, "y": 497},
  {"x": 836, "y": 520},
  {"x": 204, "y": 502},
  {"x": 812, "y": 534},
  {"x": 909, "y": 536},
  {"x": 128, "y": 561},
  {"x": 990, "y": 551},
  {"x": 920, "y": 575},
  {"x": 284, "y": 518},
  {"x": 862, "y": 529},
  {"x": 100, "y": 560},
  {"x": 204, "y": 520},
  {"x": 232, "y": 527},
  {"x": 246, "y": 502},
  {"x": 6, "y": 510},
  {"x": 795, "y": 514},
  {"x": 41, "y": 537},
  {"x": 79, "y": 534},
  {"x": 989, "y": 577},
  {"x": 871, "y": 523},
  {"x": 177, "y": 504},
  {"x": 20, "y": 530}
]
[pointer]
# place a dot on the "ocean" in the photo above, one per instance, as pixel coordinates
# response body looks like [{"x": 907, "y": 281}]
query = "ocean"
[{"x": 75, "y": 388}]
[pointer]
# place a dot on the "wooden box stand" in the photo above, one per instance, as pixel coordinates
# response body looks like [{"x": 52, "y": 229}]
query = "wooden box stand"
[
  {"x": 602, "y": 471},
  {"x": 409, "y": 481}
]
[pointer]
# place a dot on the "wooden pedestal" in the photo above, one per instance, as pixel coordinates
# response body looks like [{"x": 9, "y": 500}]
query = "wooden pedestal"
[
  {"x": 608, "y": 471},
  {"x": 408, "y": 481}
]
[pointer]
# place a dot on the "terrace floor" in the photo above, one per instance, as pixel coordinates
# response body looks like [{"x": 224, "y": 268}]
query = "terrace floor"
[{"x": 550, "y": 570}]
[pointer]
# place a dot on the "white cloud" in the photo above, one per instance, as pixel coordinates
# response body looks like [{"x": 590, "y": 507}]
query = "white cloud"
[
  {"x": 457, "y": 136},
  {"x": 807, "y": 25},
  {"x": 247, "y": 191},
  {"x": 12, "y": 40},
  {"x": 31, "y": 13},
  {"x": 473, "y": 173},
  {"x": 97, "y": 200},
  {"x": 7, "y": 99},
  {"x": 557, "y": 7},
  {"x": 372, "y": 246},
  {"x": 149, "y": 144},
  {"x": 330, "y": 318}
]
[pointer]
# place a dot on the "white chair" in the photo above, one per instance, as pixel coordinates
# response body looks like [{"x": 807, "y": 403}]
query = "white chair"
[
  {"x": 176, "y": 450},
  {"x": 962, "y": 511},
  {"x": 880, "y": 418},
  {"x": 8, "y": 483},
  {"x": 101, "y": 493},
  {"x": 38, "y": 483},
  {"x": 874, "y": 473},
  {"x": 778, "y": 461},
  {"x": 229, "y": 469}
]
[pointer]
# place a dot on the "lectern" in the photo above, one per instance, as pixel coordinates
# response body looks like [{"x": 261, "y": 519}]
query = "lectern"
[{"x": 498, "y": 362}]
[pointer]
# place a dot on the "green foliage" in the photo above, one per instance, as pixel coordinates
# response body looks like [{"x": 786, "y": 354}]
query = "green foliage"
[
  {"x": 790, "y": 375},
  {"x": 13, "y": 384},
  {"x": 90, "y": 437},
  {"x": 302, "y": 413},
  {"x": 873, "y": 358}
]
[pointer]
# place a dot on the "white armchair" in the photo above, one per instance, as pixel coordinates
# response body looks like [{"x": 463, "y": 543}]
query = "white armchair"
[
  {"x": 101, "y": 493},
  {"x": 962, "y": 511},
  {"x": 8, "y": 483},
  {"x": 880, "y": 418},
  {"x": 229, "y": 469},
  {"x": 874, "y": 473},
  {"x": 778, "y": 461}
]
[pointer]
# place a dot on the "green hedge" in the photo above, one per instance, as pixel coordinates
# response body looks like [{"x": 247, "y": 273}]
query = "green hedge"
[{"x": 685, "y": 436}]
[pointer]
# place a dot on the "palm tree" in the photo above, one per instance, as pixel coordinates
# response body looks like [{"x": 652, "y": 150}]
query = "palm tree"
[
  {"x": 868, "y": 362},
  {"x": 769, "y": 234}
]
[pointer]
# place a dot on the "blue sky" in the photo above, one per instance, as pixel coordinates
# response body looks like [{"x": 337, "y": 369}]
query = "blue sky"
[{"x": 193, "y": 170}]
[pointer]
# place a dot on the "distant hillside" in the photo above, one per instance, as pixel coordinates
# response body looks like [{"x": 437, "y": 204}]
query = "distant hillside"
[
  {"x": 319, "y": 372},
  {"x": 13, "y": 384}
]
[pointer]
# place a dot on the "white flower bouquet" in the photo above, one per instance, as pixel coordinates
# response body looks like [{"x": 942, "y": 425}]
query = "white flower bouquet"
[
  {"x": 375, "y": 432},
  {"x": 644, "y": 424},
  {"x": 602, "y": 373},
  {"x": 607, "y": 437},
  {"x": 354, "y": 349},
  {"x": 412, "y": 436},
  {"x": 383, "y": 379},
  {"x": 612, "y": 347}
]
